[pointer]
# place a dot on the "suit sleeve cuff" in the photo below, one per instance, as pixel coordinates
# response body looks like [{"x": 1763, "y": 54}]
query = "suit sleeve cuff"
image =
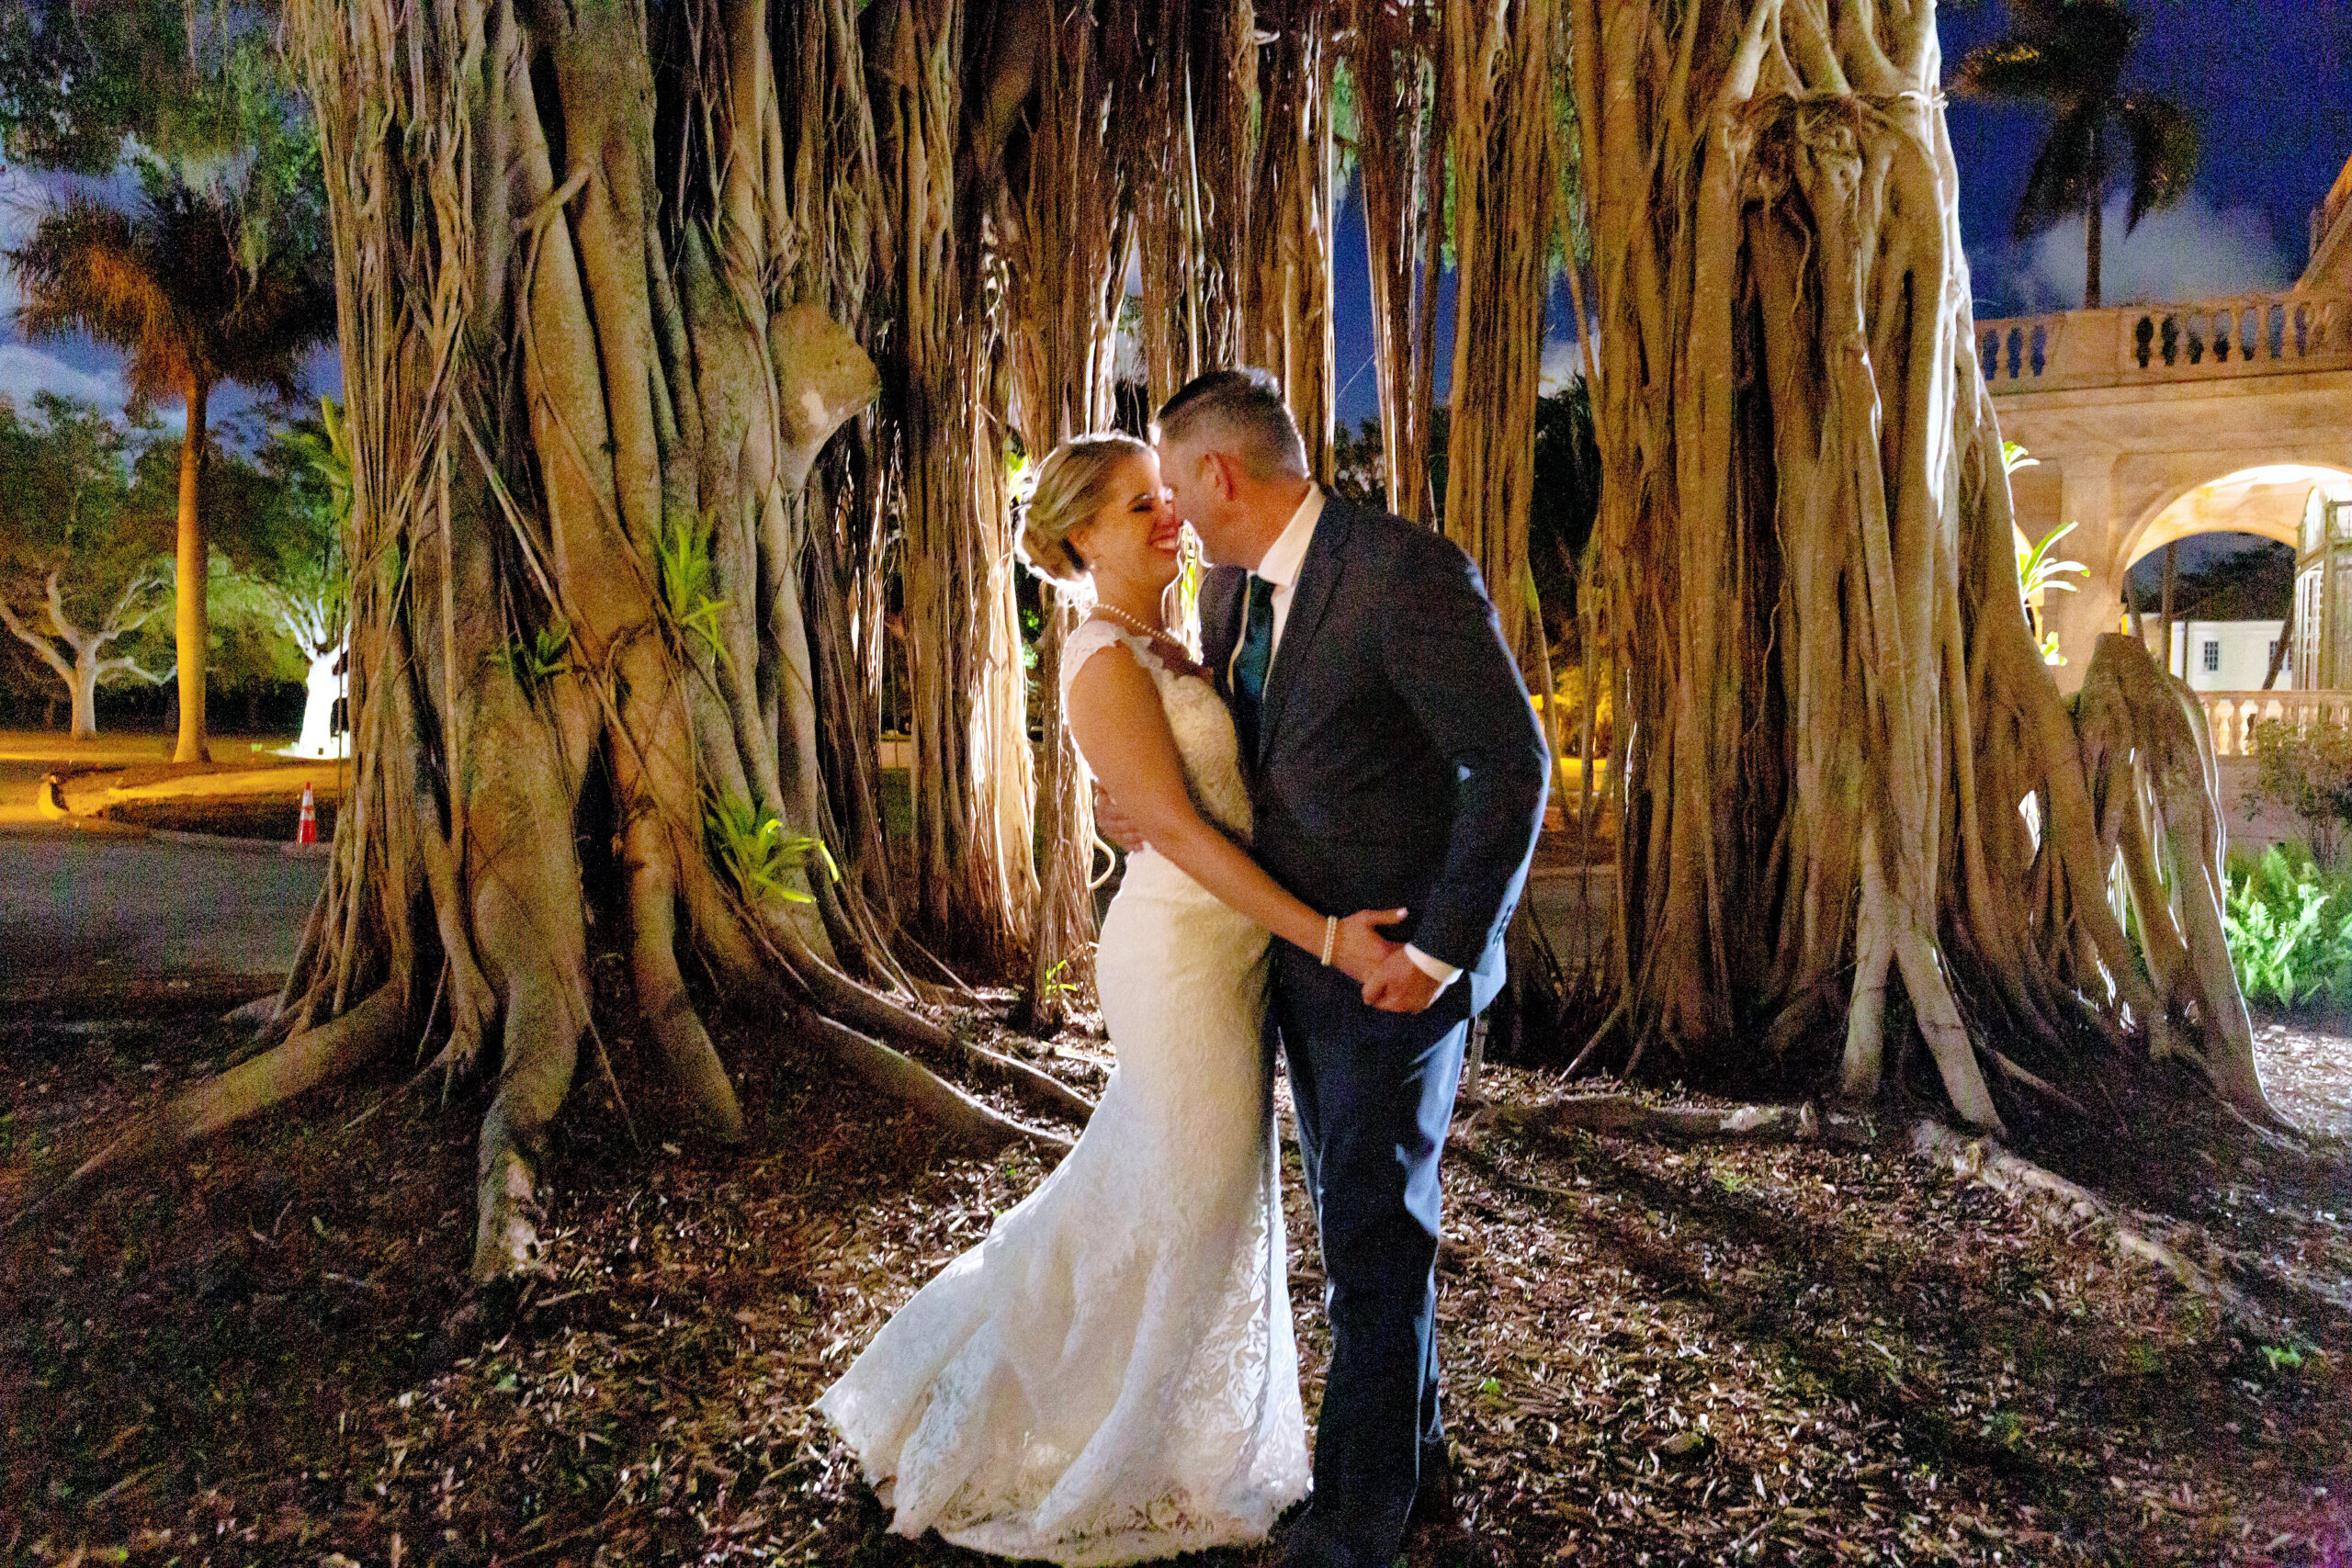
[{"x": 1437, "y": 969}]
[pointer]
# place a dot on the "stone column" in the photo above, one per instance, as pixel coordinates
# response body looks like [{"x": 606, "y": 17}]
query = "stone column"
[{"x": 2089, "y": 501}]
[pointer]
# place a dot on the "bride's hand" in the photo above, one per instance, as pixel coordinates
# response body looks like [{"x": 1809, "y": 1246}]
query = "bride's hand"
[{"x": 1359, "y": 948}]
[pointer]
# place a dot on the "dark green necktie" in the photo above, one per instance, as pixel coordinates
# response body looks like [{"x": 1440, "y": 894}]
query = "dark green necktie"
[{"x": 1251, "y": 661}]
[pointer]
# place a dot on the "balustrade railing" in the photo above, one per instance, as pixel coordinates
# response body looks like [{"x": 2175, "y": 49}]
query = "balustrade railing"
[
  {"x": 2250, "y": 335},
  {"x": 2233, "y": 716}
]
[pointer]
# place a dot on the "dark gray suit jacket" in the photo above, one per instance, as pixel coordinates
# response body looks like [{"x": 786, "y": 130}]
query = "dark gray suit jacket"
[{"x": 1399, "y": 762}]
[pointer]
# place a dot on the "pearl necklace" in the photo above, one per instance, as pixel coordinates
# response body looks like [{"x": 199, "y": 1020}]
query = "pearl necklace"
[{"x": 1131, "y": 622}]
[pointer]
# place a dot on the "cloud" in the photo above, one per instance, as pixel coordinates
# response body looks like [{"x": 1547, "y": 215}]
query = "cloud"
[
  {"x": 24, "y": 371},
  {"x": 1563, "y": 362},
  {"x": 2193, "y": 251}
]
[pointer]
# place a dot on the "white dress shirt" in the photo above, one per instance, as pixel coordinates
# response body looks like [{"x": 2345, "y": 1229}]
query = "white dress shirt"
[{"x": 1280, "y": 566}]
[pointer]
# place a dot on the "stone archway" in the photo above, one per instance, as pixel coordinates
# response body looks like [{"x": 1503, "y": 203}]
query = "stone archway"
[
  {"x": 2264, "y": 503},
  {"x": 2118, "y": 443}
]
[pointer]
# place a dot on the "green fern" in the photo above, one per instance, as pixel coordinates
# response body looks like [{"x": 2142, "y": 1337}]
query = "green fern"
[
  {"x": 2290, "y": 930},
  {"x": 761, "y": 856},
  {"x": 681, "y": 550},
  {"x": 541, "y": 657}
]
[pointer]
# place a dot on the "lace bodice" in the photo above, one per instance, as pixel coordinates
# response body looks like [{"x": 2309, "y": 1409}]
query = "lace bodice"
[{"x": 1197, "y": 716}]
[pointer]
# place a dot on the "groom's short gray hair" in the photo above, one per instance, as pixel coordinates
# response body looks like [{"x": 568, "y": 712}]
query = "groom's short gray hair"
[{"x": 1241, "y": 411}]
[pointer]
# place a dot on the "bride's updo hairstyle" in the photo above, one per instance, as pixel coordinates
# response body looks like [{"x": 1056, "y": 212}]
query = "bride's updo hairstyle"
[{"x": 1073, "y": 484}]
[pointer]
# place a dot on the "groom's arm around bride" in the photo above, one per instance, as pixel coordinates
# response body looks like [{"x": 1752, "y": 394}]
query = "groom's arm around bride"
[{"x": 1397, "y": 763}]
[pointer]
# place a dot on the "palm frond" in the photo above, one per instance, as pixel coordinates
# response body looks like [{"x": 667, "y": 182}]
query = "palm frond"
[
  {"x": 81, "y": 272},
  {"x": 2068, "y": 175},
  {"x": 2016, "y": 68},
  {"x": 180, "y": 286},
  {"x": 2164, "y": 153}
]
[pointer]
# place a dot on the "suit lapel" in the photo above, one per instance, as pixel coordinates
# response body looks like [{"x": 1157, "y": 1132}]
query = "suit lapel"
[
  {"x": 1318, "y": 575},
  {"x": 1220, "y": 614}
]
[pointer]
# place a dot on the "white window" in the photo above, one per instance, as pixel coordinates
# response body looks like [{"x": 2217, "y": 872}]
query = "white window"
[{"x": 2212, "y": 657}]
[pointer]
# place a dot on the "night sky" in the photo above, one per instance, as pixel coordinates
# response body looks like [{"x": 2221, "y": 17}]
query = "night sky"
[{"x": 2269, "y": 81}]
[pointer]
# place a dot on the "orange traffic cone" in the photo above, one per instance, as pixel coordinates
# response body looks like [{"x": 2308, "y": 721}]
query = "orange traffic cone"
[{"x": 306, "y": 831}]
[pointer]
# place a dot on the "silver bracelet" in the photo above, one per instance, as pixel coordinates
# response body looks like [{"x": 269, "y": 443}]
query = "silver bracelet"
[{"x": 1330, "y": 937}]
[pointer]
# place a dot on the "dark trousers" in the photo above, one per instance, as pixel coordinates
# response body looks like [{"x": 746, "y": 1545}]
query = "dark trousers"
[{"x": 1374, "y": 1092}]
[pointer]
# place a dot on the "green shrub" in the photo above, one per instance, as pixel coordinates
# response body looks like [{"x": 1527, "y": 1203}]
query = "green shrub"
[
  {"x": 2307, "y": 768},
  {"x": 2289, "y": 929}
]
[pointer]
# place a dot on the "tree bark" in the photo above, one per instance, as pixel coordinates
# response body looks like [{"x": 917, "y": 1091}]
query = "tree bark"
[
  {"x": 2166, "y": 655},
  {"x": 581, "y": 413},
  {"x": 1392, "y": 53},
  {"x": 2094, "y": 252},
  {"x": 192, "y": 623},
  {"x": 1286, "y": 297},
  {"x": 1500, "y": 63},
  {"x": 1833, "y": 704},
  {"x": 1067, "y": 235},
  {"x": 86, "y": 693}
]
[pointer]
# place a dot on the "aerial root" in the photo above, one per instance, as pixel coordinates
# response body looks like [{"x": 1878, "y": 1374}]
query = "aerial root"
[
  {"x": 255, "y": 1016},
  {"x": 964, "y": 1119},
  {"x": 310, "y": 1058}
]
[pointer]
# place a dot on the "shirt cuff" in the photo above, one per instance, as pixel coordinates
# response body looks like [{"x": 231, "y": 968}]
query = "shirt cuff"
[{"x": 1437, "y": 969}]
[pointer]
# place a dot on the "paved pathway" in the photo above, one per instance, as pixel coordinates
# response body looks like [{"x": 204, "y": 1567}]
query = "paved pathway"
[{"x": 78, "y": 903}]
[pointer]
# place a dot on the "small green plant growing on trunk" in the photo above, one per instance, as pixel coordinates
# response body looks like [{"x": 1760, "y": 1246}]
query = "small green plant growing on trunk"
[{"x": 753, "y": 846}]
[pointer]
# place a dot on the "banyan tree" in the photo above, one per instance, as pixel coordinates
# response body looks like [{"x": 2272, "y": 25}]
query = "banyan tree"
[
  {"x": 1857, "y": 816},
  {"x": 688, "y": 346}
]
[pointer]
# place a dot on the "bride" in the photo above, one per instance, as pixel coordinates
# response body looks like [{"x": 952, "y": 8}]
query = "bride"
[{"x": 1109, "y": 1377}]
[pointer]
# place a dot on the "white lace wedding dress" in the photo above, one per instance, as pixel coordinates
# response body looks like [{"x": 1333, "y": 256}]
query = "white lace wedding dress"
[{"x": 1109, "y": 1377}]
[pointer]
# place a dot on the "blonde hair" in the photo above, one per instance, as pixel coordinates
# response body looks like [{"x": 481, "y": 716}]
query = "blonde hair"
[{"x": 1073, "y": 484}]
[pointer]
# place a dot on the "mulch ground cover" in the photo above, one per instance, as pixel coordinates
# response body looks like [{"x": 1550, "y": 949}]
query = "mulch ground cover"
[{"x": 1657, "y": 1353}]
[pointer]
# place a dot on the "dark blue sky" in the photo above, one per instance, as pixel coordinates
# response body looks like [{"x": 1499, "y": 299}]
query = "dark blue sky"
[{"x": 2269, "y": 82}]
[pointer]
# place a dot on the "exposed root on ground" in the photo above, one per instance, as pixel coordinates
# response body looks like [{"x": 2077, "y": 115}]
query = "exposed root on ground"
[
  {"x": 2068, "y": 1203},
  {"x": 1624, "y": 1115},
  {"x": 310, "y": 1058}
]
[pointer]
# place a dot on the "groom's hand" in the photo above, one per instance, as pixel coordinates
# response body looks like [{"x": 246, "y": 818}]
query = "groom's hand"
[
  {"x": 1398, "y": 984},
  {"x": 1114, "y": 824}
]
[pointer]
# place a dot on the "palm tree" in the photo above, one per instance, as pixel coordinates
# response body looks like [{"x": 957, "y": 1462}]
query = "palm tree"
[
  {"x": 2070, "y": 54},
  {"x": 194, "y": 295}
]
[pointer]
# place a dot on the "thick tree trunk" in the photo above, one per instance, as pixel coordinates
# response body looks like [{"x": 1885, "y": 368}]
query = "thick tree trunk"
[
  {"x": 2094, "y": 253},
  {"x": 192, "y": 623},
  {"x": 1834, "y": 708},
  {"x": 84, "y": 685},
  {"x": 582, "y": 413}
]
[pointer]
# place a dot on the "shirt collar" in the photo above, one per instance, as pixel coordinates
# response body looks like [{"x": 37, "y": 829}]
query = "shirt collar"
[{"x": 1288, "y": 554}]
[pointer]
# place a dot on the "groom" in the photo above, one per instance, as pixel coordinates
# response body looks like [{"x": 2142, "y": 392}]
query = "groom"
[{"x": 1395, "y": 762}]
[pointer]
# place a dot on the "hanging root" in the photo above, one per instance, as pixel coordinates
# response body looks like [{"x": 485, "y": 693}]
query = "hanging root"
[
  {"x": 313, "y": 1057},
  {"x": 2156, "y": 792}
]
